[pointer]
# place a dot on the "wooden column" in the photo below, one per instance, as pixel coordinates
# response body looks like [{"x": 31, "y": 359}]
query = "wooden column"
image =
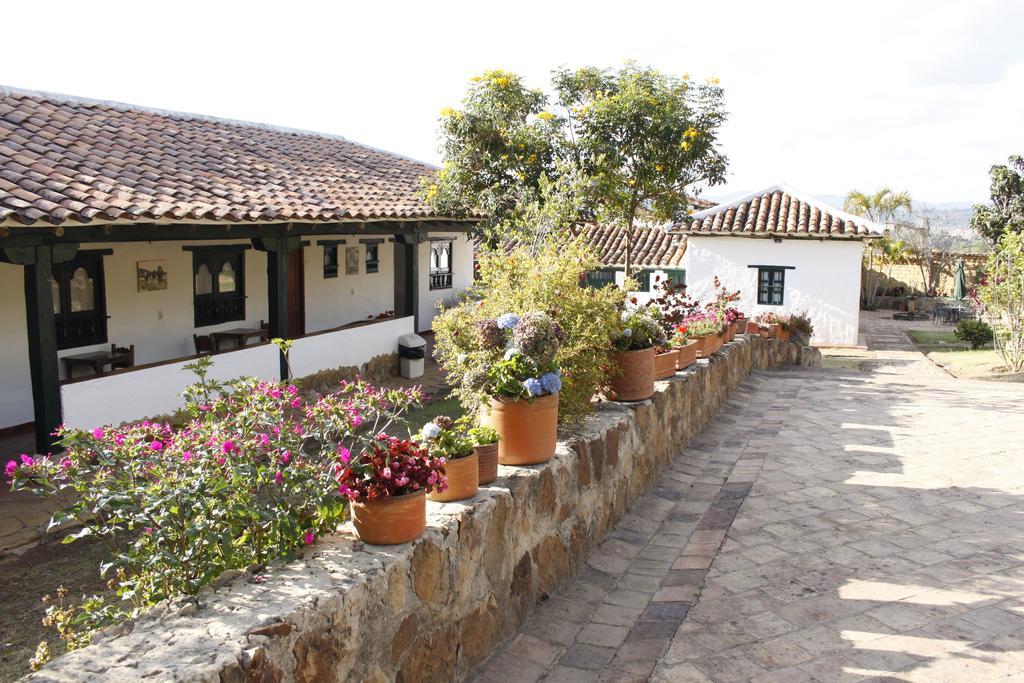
[
  {"x": 277, "y": 249},
  {"x": 407, "y": 276},
  {"x": 38, "y": 263}
]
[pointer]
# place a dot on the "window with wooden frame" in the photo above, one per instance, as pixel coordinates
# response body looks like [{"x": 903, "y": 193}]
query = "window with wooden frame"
[
  {"x": 372, "y": 259},
  {"x": 218, "y": 284},
  {"x": 597, "y": 279},
  {"x": 330, "y": 260},
  {"x": 771, "y": 285},
  {"x": 79, "y": 301},
  {"x": 441, "y": 264},
  {"x": 676, "y": 277}
]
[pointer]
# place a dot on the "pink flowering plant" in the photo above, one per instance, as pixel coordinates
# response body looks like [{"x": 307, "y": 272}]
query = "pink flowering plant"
[
  {"x": 253, "y": 474},
  {"x": 701, "y": 324}
]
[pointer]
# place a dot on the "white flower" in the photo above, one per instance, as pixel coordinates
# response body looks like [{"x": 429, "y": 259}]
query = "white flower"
[
  {"x": 430, "y": 431},
  {"x": 462, "y": 358},
  {"x": 627, "y": 332},
  {"x": 511, "y": 353}
]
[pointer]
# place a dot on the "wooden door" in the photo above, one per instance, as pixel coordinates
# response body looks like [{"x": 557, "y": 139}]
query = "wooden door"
[{"x": 296, "y": 295}]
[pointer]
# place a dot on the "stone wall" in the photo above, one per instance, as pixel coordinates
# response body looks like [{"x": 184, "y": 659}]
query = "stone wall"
[{"x": 430, "y": 610}]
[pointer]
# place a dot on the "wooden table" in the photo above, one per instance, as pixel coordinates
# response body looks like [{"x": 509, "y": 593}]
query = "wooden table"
[
  {"x": 240, "y": 335},
  {"x": 96, "y": 360}
]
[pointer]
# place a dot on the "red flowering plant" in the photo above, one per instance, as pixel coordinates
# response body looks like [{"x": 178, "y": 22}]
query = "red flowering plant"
[
  {"x": 720, "y": 305},
  {"x": 674, "y": 304},
  {"x": 250, "y": 476},
  {"x": 391, "y": 467}
]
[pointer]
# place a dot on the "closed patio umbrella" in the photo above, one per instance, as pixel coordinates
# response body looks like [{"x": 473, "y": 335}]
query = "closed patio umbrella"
[{"x": 960, "y": 281}]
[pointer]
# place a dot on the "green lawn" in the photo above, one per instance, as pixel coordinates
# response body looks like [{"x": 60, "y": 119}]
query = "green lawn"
[
  {"x": 956, "y": 356},
  {"x": 443, "y": 406},
  {"x": 928, "y": 340}
]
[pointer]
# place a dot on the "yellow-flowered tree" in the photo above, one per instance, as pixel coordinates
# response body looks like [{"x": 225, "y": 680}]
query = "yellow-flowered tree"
[{"x": 636, "y": 144}]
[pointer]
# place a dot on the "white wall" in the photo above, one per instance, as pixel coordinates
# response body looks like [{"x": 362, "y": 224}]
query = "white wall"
[
  {"x": 643, "y": 297},
  {"x": 824, "y": 283},
  {"x": 462, "y": 275},
  {"x": 15, "y": 380},
  {"x": 148, "y": 392},
  {"x": 332, "y": 302},
  {"x": 344, "y": 348}
]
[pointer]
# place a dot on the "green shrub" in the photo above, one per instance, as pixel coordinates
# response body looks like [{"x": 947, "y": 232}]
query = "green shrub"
[
  {"x": 977, "y": 333},
  {"x": 800, "y": 327},
  {"x": 526, "y": 279}
]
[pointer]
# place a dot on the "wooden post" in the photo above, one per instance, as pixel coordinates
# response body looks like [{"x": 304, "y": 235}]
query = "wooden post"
[
  {"x": 407, "y": 276},
  {"x": 42, "y": 336},
  {"x": 277, "y": 249}
]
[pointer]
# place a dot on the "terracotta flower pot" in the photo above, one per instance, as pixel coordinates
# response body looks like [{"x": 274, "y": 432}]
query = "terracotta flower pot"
[
  {"x": 463, "y": 479},
  {"x": 782, "y": 334},
  {"x": 730, "y": 333},
  {"x": 487, "y": 457},
  {"x": 705, "y": 345},
  {"x": 687, "y": 355},
  {"x": 766, "y": 332},
  {"x": 635, "y": 379},
  {"x": 719, "y": 341},
  {"x": 527, "y": 430},
  {"x": 390, "y": 521},
  {"x": 665, "y": 364},
  {"x": 741, "y": 326},
  {"x": 753, "y": 328}
]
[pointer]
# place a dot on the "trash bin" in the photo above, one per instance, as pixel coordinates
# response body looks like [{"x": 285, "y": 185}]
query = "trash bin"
[{"x": 411, "y": 350}]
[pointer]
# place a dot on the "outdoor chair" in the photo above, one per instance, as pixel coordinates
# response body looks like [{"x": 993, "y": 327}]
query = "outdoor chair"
[
  {"x": 122, "y": 362},
  {"x": 203, "y": 343}
]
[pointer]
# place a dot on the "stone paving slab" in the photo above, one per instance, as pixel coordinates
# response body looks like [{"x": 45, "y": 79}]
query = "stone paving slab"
[{"x": 831, "y": 525}]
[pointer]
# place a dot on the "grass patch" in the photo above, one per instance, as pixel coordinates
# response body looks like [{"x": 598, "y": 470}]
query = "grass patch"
[
  {"x": 928, "y": 340},
  {"x": 448, "y": 405}
]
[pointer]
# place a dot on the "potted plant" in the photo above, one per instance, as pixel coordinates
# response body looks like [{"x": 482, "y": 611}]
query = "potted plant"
[
  {"x": 485, "y": 440},
  {"x": 685, "y": 347},
  {"x": 516, "y": 370},
  {"x": 634, "y": 348},
  {"x": 736, "y": 322},
  {"x": 782, "y": 331},
  {"x": 769, "y": 325},
  {"x": 449, "y": 440},
  {"x": 387, "y": 487},
  {"x": 800, "y": 328},
  {"x": 704, "y": 328},
  {"x": 666, "y": 358}
]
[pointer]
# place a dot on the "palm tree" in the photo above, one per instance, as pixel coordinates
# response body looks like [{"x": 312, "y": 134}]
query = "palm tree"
[{"x": 880, "y": 207}]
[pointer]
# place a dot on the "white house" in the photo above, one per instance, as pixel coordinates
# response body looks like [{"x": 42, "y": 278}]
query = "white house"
[
  {"x": 657, "y": 256},
  {"x": 785, "y": 252},
  {"x": 159, "y": 232}
]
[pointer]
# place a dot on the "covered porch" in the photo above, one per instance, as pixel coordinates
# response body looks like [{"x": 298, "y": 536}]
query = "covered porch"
[{"x": 112, "y": 314}]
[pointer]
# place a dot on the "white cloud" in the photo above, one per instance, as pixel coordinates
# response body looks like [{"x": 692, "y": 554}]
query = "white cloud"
[{"x": 826, "y": 96}]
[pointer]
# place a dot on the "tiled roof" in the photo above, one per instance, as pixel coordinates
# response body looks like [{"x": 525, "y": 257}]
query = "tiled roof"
[
  {"x": 652, "y": 246},
  {"x": 65, "y": 160},
  {"x": 779, "y": 211}
]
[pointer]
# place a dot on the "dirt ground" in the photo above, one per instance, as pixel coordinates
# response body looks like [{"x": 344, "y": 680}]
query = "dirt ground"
[{"x": 24, "y": 579}]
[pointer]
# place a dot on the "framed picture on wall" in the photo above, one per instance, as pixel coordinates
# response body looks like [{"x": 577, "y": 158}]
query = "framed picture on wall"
[
  {"x": 152, "y": 275},
  {"x": 351, "y": 260}
]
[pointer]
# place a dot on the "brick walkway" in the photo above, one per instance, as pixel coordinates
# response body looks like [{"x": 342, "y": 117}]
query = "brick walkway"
[{"x": 878, "y": 535}]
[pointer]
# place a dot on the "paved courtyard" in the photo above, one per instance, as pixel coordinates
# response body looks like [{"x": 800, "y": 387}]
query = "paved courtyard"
[{"x": 830, "y": 525}]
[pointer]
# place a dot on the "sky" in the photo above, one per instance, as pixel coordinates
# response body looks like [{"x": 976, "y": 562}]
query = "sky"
[{"x": 826, "y": 96}]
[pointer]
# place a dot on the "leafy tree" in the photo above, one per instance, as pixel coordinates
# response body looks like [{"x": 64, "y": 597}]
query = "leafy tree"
[
  {"x": 636, "y": 143},
  {"x": 882, "y": 207},
  {"x": 1006, "y": 213},
  {"x": 1002, "y": 293}
]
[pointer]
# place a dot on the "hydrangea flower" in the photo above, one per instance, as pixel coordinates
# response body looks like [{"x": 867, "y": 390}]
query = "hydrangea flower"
[
  {"x": 533, "y": 386},
  {"x": 430, "y": 431},
  {"x": 551, "y": 382},
  {"x": 507, "y": 321},
  {"x": 490, "y": 334},
  {"x": 511, "y": 353},
  {"x": 627, "y": 333}
]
